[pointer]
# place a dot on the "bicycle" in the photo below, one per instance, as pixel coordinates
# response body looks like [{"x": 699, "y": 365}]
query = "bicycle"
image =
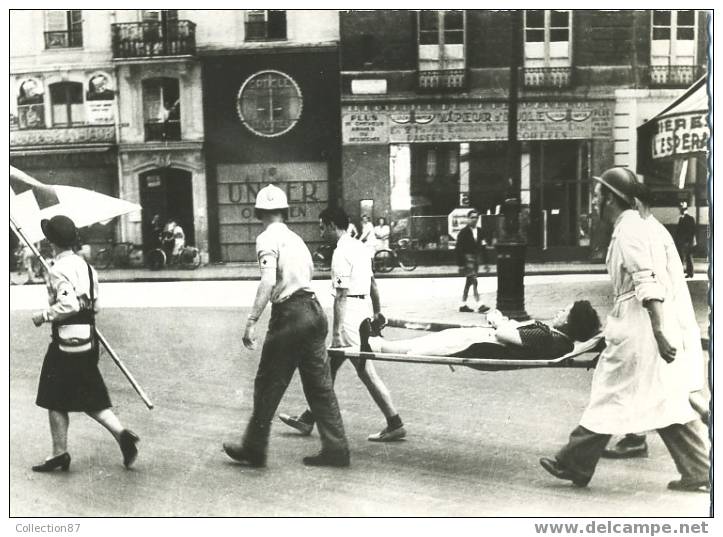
[
  {"x": 119, "y": 255},
  {"x": 401, "y": 254},
  {"x": 188, "y": 258}
]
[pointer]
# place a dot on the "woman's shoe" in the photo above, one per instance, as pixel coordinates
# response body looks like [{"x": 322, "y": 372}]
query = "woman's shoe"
[
  {"x": 128, "y": 447},
  {"x": 61, "y": 461}
]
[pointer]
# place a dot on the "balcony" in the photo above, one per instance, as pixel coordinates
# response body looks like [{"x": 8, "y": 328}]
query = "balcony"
[
  {"x": 264, "y": 31},
  {"x": 163, "y": 131},
  {"x": 547, "y": 77},
  {"x": 153, "y": 39},
  {"x": 675, "y": 76},
  {"x": 64, "y": 39},
  {"x": 442, "y": 80},
  {"x": 85, "y": 134}
]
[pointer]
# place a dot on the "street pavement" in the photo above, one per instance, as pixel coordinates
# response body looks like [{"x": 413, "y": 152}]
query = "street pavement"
[{"x": 474, "y": 437}]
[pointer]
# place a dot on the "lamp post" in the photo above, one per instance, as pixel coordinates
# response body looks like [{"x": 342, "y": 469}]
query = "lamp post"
[{"x": 511, "y": 244}]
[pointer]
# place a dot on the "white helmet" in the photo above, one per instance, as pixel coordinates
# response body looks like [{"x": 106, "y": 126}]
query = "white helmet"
[{"x": 271, "y": 197}]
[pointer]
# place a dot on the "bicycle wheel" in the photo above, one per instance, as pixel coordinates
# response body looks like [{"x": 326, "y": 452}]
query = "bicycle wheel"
[
  {"x": 104, "y": 259},
  {"x": 384, "y": 261},
  {"x": 156, "y": 259},
  {"x": 406, "y": 259}
]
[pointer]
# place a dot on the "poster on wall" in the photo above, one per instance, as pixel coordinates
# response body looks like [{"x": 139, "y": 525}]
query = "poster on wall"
[
  {"x": 30, "y": 110},
  {"x": 99, "y": 99}
]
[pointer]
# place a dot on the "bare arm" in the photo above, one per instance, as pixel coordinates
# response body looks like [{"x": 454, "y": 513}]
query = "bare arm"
[
  {"x": 655, "y": 310},
  {"x": 339, "y": 309},
  {"x": 374, "y": 294},
  {"x": 263, "y": 295}
]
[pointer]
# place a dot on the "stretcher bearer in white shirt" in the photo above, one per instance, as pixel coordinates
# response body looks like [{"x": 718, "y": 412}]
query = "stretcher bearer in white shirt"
[{"x": 353, "y": 283}]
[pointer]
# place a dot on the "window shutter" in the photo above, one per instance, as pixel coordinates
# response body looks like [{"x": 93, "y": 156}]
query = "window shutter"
[{"x": 56, "y": 20}]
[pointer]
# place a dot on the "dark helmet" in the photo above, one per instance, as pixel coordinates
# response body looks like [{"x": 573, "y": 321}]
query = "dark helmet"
[
  {"x": 60, "y": 230},
  {"x": 621, "y": 181}
]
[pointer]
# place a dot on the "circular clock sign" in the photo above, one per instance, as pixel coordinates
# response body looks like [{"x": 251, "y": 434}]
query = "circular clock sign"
[{"x": 269, "y": 103}]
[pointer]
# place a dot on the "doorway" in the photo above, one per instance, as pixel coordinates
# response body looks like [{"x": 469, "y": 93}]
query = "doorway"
[{"x": 168, "y": 193}]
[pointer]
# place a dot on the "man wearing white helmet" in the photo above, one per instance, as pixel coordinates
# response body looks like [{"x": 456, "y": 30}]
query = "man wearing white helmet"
[{"x": 296, "y": 338}]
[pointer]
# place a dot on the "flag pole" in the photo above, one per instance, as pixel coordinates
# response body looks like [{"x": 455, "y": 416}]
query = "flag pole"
[{"x": 19, "y": 232}]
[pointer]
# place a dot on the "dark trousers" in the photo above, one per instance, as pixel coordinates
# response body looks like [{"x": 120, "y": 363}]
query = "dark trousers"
[
  {"x": 685, "y": 250},
  {"x": 296, "y": 338},
  {"x": 334, "y": 364},
  {"x": 686, "y": 444}
]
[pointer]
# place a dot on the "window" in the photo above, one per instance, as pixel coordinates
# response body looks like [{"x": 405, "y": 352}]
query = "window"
[
  {"x": 441, "y": 40},
  {"x": 265, "y": 24},
  {"x": 547, "y": 47},
  {"x": 63, "y": 28},
  {"x": 31, "y": 110},
  {"x": 161, "y": 109},
  {"x": 67, "y": 106},
  {"x": 672, "y": 49}
]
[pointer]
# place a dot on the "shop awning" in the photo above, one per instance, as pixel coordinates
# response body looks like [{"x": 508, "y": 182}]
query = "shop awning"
[{"x": 680, "y": 131}]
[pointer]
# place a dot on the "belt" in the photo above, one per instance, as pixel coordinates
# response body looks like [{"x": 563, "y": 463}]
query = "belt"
[{"x": 356, "y": 296}]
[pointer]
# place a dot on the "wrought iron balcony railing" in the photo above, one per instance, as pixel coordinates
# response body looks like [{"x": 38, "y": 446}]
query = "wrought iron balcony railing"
[
  {"x": 163, "y": 131},
  {"x": 547, "y": 77},
  {"x": 64, "y": 39},
  {"x": 263, "y": 31},
  {"x": 675, "y": 76},
  {"x": 150, "y": 39},
  {"x": 442, "y": 80}
]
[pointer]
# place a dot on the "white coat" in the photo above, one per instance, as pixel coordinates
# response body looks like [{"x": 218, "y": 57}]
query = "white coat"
[{"x": 633, "y": 388}]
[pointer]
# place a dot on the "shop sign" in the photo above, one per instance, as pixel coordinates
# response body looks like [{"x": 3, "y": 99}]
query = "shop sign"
[
  {"x": 269, "y": 103},
  {"x": 681, "y": 135},
  {"x": 468, "y": 122}
]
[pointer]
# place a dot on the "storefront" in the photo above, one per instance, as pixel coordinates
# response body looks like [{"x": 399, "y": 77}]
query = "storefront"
[
  {"x": 419, "y": 162},
  {"x": 270, "y": 117},
  {"x": 673, "y": 158}
]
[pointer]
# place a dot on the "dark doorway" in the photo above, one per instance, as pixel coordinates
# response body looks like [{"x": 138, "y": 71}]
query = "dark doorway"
[{"x": 168, "y": 193}]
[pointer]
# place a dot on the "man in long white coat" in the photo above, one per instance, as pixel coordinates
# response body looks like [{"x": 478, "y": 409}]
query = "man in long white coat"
[
  {"x": 636, "y": 386},
  {"x": 689, "y": 358}
]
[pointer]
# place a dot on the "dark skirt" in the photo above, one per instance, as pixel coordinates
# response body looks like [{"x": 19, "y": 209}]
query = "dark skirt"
[{"x": 71, "y": 382}]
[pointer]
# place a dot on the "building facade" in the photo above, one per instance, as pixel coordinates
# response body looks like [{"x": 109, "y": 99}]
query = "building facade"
[
  {"x": 271, "y": 108},
  {"x": 424, "y": 113}
]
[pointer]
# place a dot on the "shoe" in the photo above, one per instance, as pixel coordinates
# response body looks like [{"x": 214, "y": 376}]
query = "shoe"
[
  {"x": 483, "y": 309},
  {"x": 365, "y": 331},
  {"x": 553, "y": 467},
  {"x": 242, "y": 455},
  {"x": 690, "y": 486},
  {"x": 378, "y": 324},
  {"x": 388, "y": 435},
  {"x": 127, "y": 441},
  {"x": 61, "y": 461},
  {"x": 466, "y": 309},
  {"x": 293, "y": 421},
  {"x": 338, "y": 460},
  {"x": 630, "y": 447}
]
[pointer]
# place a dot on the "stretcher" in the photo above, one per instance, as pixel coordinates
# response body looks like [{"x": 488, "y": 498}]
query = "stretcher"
[{"x": 583, "y": 355}]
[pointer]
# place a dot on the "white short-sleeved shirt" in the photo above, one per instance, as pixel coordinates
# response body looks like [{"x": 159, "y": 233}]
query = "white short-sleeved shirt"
[
  {"x": 280, "y": 248},
  {"x": 351, "y": 266}
]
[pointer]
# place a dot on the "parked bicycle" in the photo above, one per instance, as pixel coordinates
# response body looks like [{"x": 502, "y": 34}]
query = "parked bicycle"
[
  {"x": 188, "y": 258},
  {"x": 119, "y": 255},
  {"x": 402, "y": 254}
]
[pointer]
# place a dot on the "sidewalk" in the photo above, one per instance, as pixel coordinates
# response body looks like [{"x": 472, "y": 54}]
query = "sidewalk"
[{"x": 250, "y": 271}]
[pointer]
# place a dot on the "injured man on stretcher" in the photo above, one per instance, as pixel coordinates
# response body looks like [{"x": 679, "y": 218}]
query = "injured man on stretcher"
[{"x": 504, "y": 338}]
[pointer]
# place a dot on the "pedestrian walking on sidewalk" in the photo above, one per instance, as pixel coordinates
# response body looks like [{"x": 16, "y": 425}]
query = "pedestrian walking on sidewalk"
[
  {"x": 636, "y": 385},
  {"x": 685, "y": 238},
  {"x": 356, "y": 298},
  {"x": 296, "y": 338},
  {"x": 468, "y": 249},
  {"x": 70, "y": 380}
]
